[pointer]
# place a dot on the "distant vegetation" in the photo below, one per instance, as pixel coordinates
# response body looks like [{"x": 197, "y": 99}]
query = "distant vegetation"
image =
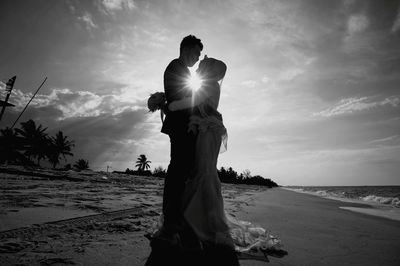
[
  {"x": 30, "y": 144},
  {"x": 159, "y": 172},
  {"x": 81, "y": 164},
  {"x": 231, "y": 176},
  {"x": 142, "y": 164},
  {"x": 225, "y": 175}
]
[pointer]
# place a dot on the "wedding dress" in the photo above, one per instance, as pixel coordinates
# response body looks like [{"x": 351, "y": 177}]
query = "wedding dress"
[{"x": 204, "y": 205}]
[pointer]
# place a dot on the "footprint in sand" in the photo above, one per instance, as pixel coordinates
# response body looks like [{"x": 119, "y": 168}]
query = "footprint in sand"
[
  {"x": 52, "y": 261},
  {"x": 12, "y": 247}
]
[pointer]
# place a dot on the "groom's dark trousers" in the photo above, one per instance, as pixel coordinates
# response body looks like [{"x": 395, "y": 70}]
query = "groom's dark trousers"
[{"x": 179, "y": 169}]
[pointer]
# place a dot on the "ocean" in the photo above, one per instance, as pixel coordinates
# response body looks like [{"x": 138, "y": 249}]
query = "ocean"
[{"x": 383, "y": 201}]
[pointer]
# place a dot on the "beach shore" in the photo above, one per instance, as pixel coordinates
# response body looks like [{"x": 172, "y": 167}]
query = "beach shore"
[{"x": 314, "y": 231}]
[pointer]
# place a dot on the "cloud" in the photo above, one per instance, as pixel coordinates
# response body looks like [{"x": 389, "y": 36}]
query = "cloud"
[
  {"x": 71, "y": 7},
  {"x": 88, "y": 20},
  {"x": 347, "y": 4},
  {"x": 265, "y": 79},
  {"x": 357, "y": 24},
  {"x": 77, "y": 103},
  {"x": 2, "y": 85},
  {"x": 112, "y": 5},
  {"x": 249, "y": 83},
  {"x": 105, "y": 128},
  {"x": 388, "y": 140},
  {"x": 353, "y": 105},
  {"x": 111, "y": 138},
  {"x": 290, "y": 74},
  {"x": 396, "y": 23},
  {"x": 355, "y": 41}
]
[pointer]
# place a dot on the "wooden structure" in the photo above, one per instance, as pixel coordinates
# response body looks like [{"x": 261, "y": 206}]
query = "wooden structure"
[{"x": 9, "y": 87}]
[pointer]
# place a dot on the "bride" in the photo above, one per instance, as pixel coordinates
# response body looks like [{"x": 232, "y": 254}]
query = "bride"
[{"x": 202, "y": 200}]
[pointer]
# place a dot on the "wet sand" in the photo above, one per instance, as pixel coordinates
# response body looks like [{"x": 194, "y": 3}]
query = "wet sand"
[{"x": 316, "y": 231}]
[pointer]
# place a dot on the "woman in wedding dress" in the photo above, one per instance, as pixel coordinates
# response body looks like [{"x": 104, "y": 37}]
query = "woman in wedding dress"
[{"x": 203, "y": 202}]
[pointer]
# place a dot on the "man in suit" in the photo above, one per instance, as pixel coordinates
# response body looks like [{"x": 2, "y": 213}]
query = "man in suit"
[
  {"x": 182, "y": 142},
  {"x": 166, "y": 246}
]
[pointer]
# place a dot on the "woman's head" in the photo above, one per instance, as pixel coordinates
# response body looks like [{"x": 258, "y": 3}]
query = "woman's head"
[{"x": 211, "y": 69}]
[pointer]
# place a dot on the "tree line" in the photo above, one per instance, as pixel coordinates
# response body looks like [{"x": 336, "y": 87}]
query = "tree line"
[
  {"x": 30, "y": 144},
  {"x": 231, "y": 176},
  {"x": 225, "y": 175}
]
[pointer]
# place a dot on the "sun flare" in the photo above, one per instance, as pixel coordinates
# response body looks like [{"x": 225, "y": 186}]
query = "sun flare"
[{"x": 194, "y": 81}]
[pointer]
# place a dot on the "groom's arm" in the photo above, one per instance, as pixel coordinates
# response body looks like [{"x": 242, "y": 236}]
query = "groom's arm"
[{"x": 188, "y": 102}]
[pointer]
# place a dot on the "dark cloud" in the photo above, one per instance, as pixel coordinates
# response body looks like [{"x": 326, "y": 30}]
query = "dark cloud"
[
  {"x": 110, "y": 135},
  {"x": 106, "y": 135}
]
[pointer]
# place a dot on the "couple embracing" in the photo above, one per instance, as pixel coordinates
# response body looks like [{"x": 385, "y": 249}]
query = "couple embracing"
[
  {"x": 195, "y": 229},
  {"x": 194, "y": 225}
]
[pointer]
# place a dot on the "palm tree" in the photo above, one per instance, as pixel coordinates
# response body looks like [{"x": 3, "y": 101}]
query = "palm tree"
[
  {"x": 35, "y": 139},
  {"x": 10, "y": 144},
  {"x": 246, "y": 174},
  {"x": 59, "y": 146},
  {"x": 142, "y": 163},
  {"x": 81, "y": 164}
]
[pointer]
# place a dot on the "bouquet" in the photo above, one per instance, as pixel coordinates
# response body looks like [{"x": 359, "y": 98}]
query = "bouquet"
[{"x": 156, "y": 101}]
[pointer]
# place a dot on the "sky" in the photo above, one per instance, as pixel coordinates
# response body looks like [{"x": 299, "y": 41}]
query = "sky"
[{"x": 311, "y": 95}]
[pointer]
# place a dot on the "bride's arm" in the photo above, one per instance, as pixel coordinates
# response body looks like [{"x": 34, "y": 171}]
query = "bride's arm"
[{"x": 187, "y": 102}]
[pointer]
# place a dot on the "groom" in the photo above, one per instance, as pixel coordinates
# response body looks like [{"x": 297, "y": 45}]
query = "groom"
[
  {"x": 176, "y": 123},
  {"x": 176, "y": 234},
  {"x": 165, "y": 246}
]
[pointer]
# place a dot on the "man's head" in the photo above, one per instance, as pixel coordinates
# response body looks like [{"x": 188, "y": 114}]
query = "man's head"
[{"x": 190, "y": 50}]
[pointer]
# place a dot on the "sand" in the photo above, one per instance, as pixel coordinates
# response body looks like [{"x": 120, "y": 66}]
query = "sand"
[
  {"x": 314, "y": 231},
  {"x": 34, "y": 204}
]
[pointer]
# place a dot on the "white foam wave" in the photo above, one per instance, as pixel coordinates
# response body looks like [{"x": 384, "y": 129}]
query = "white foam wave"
[
  {"x": 320, "y": 193},
  {"x": 395, "y": 202},
  {"x": 371, "y": 199}
]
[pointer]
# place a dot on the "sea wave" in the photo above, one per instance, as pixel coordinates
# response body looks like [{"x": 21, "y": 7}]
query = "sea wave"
[
  {"x": 393, "y": 201},
  {"x": 320, "y": 193},
  {"x": 349, "y": 196},
  {"x": 383, "y": 201}
]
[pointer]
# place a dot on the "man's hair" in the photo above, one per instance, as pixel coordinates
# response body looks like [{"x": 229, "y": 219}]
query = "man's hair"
[{"x": 190, "y": 41}]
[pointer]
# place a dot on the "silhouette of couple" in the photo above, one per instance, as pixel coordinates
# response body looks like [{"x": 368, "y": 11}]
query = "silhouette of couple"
[
  {"x": 195, "y": 229},
  {"x": 194, "y": 226}
]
